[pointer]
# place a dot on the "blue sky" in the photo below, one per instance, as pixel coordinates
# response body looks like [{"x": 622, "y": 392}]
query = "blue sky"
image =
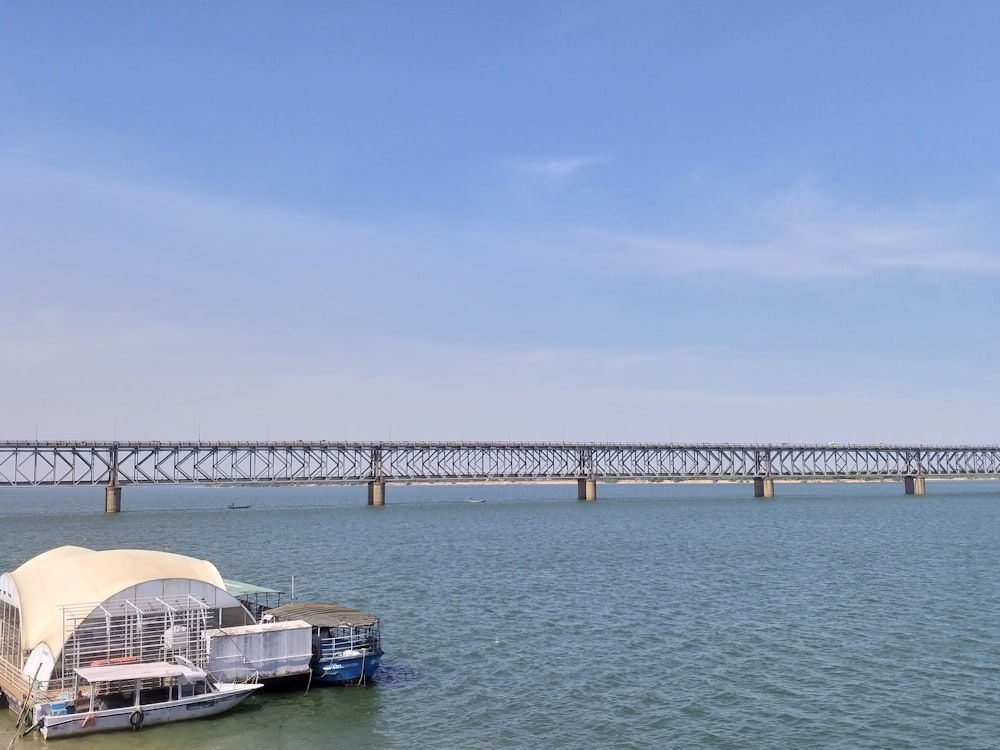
[{"x": 585, "y": 221}]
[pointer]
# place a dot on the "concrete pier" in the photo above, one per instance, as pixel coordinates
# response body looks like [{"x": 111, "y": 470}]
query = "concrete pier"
[
  {"x": 376, "y": 493},
  {"x": 586, "y": 489},
  {"x": 915, "y": 485},
  {"x": 763, "y": 487},
  {"x": 112, "y": 500}
]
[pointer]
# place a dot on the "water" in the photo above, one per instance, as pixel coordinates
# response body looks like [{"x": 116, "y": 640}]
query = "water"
[{"x": 680, "y": 616}]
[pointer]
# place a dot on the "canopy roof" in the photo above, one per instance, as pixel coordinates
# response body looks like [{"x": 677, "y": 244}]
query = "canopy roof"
[
  {"x": 239, "y": 588},
  {"x": 323, "y": 615},
  {"x": 140, "y": 671},
  {"x": 76, "y": 576}
]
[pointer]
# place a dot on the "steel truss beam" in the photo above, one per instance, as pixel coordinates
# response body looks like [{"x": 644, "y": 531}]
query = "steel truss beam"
[{"x": 124, "y": 463}]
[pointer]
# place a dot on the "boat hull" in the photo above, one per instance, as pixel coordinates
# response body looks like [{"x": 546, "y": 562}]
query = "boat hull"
[
  {"x": 115, "y": 719},
  {"x": 346, "y": 670}
]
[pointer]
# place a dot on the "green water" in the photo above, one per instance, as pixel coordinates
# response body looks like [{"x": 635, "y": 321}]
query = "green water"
[{"x": 682, "y": 616}]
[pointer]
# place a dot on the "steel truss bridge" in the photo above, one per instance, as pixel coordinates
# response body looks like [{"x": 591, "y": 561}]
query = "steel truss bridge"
[{"x": 119, "y": 464}]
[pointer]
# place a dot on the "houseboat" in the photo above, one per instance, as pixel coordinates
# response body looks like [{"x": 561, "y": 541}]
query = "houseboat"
[
  {"x": 95, "y": 640},
  {"x": 346, "y": 643}
]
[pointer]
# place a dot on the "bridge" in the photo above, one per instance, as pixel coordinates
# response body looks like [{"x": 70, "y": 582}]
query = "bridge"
[{"x": 115, "y": 465}]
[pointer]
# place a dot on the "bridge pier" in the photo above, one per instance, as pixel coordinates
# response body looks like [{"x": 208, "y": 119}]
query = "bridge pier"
[
  {"x": 586, "y": 489},
  {"x": 112, "y": 499},
  {"x": 915, "y": 485},
  {"x": 376, "y": 493},
  {"x": 763, "y": 487}
]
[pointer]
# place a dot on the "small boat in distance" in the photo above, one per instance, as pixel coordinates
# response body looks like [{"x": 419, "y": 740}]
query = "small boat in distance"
[
  {"x": 346, "y": 644},
  {"x": 234, "y": 506},
  {"x": 135, "y": 695},
  {"x": 475, "y": 500}
]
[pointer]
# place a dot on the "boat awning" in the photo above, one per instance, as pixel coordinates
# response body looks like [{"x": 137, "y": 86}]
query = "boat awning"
[
  {"x": 140, "y": 671},
  {"x": 324, "y": 615},
  {"x": 238, "y": 588}
]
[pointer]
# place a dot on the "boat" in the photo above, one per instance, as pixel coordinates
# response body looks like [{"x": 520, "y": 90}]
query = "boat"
[
  {"x": 346, "y": 643},
  {"x": 134, "y": 695},
  {"x": 234, "y": 506},
  {"x": 475, "y": 500}
]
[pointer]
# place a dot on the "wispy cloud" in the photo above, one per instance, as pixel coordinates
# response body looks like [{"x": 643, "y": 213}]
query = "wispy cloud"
[
  {"x": 173, "y": 309},
  {"x": 803, "y": 234},
  {"x": 555, "y": 169}
]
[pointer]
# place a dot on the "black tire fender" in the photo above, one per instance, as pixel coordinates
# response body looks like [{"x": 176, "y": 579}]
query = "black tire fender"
[{"x": 136, "y": 718}]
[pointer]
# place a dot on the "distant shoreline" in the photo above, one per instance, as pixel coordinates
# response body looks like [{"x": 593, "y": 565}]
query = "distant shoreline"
[{"x": 507, "y": 482}]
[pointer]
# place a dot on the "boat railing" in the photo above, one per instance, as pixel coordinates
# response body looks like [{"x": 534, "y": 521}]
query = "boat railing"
[
  {"x": 15, "y": 683},
  {"x": 330, "y": 648},
  {"x": 143, "y": 629}
]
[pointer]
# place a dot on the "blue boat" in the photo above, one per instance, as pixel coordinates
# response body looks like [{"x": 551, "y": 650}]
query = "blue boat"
[{"x": 346, "y": 643}]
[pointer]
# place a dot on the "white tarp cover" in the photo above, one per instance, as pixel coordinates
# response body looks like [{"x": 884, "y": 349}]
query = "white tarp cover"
[
  {"x": 269, "y": 650},
  {"x": 266, "y": 627},
  {"x": 74, "y": 576}
]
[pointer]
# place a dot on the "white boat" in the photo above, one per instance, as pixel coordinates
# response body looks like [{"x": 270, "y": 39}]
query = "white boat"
[{"x": 137, "y": 695}]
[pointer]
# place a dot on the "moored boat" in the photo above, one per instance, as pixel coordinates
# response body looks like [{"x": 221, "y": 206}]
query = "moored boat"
[
  {"x": 346, "y": 643},
  {"x": 136, "y": 695}
]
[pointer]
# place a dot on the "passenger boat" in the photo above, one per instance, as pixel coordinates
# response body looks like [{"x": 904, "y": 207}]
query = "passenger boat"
[
  {"x": 346, "y": 643},
  {"x": 134, "y": 695}
]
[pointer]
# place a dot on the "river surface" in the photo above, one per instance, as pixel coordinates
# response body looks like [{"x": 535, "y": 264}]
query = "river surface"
[{"x": 661, "y": 616}]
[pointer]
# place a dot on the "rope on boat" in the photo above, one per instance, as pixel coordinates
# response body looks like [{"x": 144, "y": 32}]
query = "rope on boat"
[{"x": 361, "y": 679}]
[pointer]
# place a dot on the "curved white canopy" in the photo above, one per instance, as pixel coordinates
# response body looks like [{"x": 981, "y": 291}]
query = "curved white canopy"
[{"x": 76, "y": 576}]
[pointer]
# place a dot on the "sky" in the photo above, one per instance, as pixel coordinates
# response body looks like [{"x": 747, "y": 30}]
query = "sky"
[{"x": 586, "y": 221}]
